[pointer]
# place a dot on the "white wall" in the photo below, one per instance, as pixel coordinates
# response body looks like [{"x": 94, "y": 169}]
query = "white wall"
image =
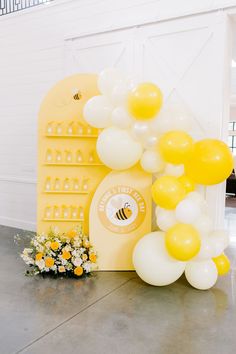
[{"x": 36, "y": 50}]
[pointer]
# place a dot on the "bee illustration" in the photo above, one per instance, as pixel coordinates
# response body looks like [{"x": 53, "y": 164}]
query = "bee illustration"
[
  {"x": 124, "y": 213},
  {"x": 77, "y": 94}
]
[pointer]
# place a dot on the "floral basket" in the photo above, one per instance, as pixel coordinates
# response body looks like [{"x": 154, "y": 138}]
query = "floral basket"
[{"x": 69, "y": 254}]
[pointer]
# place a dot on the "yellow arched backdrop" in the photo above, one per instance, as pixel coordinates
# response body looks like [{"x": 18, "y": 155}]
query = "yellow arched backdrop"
[{"x": 68, "y": 168}]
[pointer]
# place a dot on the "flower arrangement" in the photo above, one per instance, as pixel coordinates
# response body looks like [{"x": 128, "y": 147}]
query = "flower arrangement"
[{"x": 58, "y": 253}]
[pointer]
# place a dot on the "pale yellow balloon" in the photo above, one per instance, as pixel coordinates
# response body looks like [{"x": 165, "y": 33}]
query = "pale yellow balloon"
[
  {"x": 211, "y": 162},
  {"x": 183, "y": 241},
  {"x": 176, "y": 146},
  {"x": 167, "y": 192},
  {"x": 145, "y": 101}
]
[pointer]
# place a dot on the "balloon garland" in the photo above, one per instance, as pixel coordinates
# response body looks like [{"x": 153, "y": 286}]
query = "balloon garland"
[{"x": 138, "y": 128}]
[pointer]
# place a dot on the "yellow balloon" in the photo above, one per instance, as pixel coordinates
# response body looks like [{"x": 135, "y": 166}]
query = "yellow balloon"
[
  {"x": 167, "y": 192},
  {"x": 183, "y": 241},
  {"x": 145, "y": 101},
  {"x": 222, "y": 264},
  {"x": 188, "y": 184},
  {"x": 211, "y": 162},
  {"x": 176, "y": 146}
]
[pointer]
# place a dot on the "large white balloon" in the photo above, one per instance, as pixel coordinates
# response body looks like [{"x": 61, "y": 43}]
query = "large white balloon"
[
  {"x": 120, "y": 118},
  {"x": 152, "y": 162},
  {"x": 165, "y": 219},
  {"x": 117, "y": 149},
  {"x": 199, "y": 199},
  {"x": 152, "y": 262},
  {"x": 201, "y": 275},
  {"x": 108, "y": 79},
  {"x": 161, "y": 125},
  {"x": 97, "y": 112},
  {"x": 174, "y": 170},
  {"x": 187, "y": 211}
]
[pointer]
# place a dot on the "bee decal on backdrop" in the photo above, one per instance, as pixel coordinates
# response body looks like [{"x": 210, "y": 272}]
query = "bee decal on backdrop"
[{"x": 124, "y": 213}]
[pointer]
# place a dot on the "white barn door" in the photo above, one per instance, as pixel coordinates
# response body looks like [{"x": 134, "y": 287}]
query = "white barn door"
[{"x": 185, "y": 57}]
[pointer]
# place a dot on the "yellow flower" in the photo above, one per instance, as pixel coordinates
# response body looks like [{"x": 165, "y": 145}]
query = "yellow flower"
[
  {"x": 54, "y": 245},
  {"x": 49, "y": 262},
  {"x": 71, "y": 233},
  {"x": 61, "y": 269},
  {"x": 38, "y": 256},
  {"x": 93, "y": 257},
  {"x": 84, "y": 257},
  {"x": 78, "y": 271},
  {"x": 86, "y": 243},
  {"x": 66, "y": 255}
]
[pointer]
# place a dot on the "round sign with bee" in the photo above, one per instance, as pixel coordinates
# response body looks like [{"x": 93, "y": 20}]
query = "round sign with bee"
[{"x": 122, "y": 209}]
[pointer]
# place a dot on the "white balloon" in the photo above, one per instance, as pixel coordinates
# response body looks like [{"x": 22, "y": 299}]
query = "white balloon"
[
  {"x": 165, "y": 219},
  {"x": 140, "y": 131},
  {"x": 117, "y": 149},
  {"x": 187, "y": 211},
  {"x": 160, "y": 125},
  {"x": 97, "y": 112},
  {"x": 201, "y": 275},
  {"x": 220, "y": 241},
  {"x": 203, "y": 224},
  {"x": 150, "y": 142},
  {"x": 119, "y": 93},
  {"x": 199, "y": 199},
  {"x": 108, "y": 79},
  {"x": 152, "y": 162},
  {"x": 174, "y": 170},
  {"x": 206, "y": 250},
  {"x": 221, "y": 234},
  {"x": 152, "y": 262},
  {"x": 120, "y": 118}
]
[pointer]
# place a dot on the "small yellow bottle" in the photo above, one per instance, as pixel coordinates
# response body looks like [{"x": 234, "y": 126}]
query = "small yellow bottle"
[
  {"x": 76, "y": 185},
  {"x": 89, "y": 130},
  {"x": 74, "y": 212},
  {"x": 79, "y": 156},
  {"x": 70, "y": 128},
  {"x": 91, "y": 158},
  {"x": 48, "y": 212},
  {"x": 59, "y": 129},
  {"x": 65, "y": 212},
  {"x": 49, "y": 129},
  {"x": 58, "y": 156},
  {"x": 80, "y": 129},
  {"x": 68, "y": 156},
  {"x": 49, "y": 156},
  {"x": 85, "y": 184},
  {"x": 57, "y": 184},
  {"x": 56, "y": 212},
  {"x": 48, "y": 184},
  {"x": 81, "y": 213},
  {"x": 66, "y": 184}
]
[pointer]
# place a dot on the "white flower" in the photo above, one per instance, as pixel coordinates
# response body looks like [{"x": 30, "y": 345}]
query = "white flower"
[
  {"x": 63, "y": 261},
  {"x": 40, "y": 264},
  {"x": 77, "y": 261},
  {"x": 26, "y": 251},
  {"x": 48, "y": 244},
  {"x": 28, "y": 260},
  {"x": 87, "y": 266},
  {"x": 67, "y": 248}
]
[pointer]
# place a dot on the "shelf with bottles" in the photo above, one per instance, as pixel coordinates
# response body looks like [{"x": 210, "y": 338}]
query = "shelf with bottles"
[
  {"x": 63, "y": 213},
  {"x": 69, "y": 158},
  {"x": 66, "y": 186},
  {"x": 70, "y": 130}
]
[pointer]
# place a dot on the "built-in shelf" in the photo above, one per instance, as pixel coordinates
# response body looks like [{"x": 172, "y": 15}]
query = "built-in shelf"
[
  {"x": 73, "y": 164},
  {"x": 65, "y": 220},
  {"x": 72, "y": 136},
  {"x": 66, "y": 192}
]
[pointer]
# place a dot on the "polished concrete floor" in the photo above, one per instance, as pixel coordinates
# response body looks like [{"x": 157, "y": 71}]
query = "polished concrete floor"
[{"x": 111, "y": 313}]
